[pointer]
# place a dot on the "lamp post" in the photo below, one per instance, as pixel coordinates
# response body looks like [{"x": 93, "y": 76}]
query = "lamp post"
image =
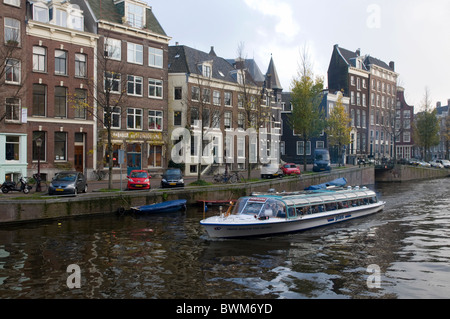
[{"x": 39, "y": 145}]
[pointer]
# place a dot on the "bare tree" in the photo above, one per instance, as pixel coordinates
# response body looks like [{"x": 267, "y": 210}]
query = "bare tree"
[{"x": 107, "y": 93}]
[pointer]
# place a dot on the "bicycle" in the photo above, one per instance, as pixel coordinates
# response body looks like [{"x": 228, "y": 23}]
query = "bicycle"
[
  {"x": 99, "y": 174},
  {"x": 37, "y": 178},
  {"x": 227, "y": 178}
]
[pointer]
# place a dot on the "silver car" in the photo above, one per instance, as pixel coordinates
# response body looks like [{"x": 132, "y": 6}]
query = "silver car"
[{"x": 68, "y": 183}]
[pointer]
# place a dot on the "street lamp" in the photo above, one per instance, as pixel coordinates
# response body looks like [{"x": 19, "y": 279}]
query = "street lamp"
[{"x": 39, "y": 145}]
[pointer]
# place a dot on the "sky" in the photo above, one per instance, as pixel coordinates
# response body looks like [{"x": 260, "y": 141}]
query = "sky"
[{"x": 415, "y": 34}]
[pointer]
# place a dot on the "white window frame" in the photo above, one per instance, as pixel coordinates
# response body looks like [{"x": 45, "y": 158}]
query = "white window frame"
[
  {"x": 116, "y": 113},
  {"x": 15, "y": 110},
  {"x": 16, "y": 67},
  {"x": 15, "y": 3},
  {"x": 134, "y": 18},
  {"x": 113, "y": 49},
  {"x": 39, "y": 59},
  {"x": 155, "y": 117},
  {"x": 80, "y": 65},
  {"x": 135, "y": 53},
  {"x": 135, "y": 114},
  {"x": 135, "y": 81},
  {"x": 58, "y": 72},
  {"x": 155, "y": 58},
  {"x": 157, "y": 87},
  {"x": 11, "y": 30},
  {"x": 111, "y": 77},
  {"x": 300, "y": 148}
]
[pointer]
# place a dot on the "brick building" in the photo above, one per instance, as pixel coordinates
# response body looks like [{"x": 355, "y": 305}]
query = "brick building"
[{"x": 404, "y": 118}]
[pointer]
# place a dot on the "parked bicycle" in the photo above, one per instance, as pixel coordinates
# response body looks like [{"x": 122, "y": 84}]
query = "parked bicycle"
[
  {"x": 228, "y": 178},
  {"x": 99, "y": 174},
  {"x": 38, "y": 179}
]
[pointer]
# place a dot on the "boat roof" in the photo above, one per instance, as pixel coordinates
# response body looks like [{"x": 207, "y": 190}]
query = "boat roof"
[{"x": 320, "y": 197}]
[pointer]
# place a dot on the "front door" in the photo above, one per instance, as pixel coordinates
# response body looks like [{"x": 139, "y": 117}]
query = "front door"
[
  {"x": 79, "y": 158},
  {"x": 133, "y": 157}
]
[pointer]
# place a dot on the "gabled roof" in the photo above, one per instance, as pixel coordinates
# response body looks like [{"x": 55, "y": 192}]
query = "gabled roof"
[
  {"x": 183, "y": 59},
  {"x": 252, "y": 68},
  {"x": 108, "y": 11},
  {"x": 350, "y": 58}
]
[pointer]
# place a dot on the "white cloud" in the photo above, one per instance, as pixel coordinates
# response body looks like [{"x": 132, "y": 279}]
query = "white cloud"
[{"x": 282, "y": 11}]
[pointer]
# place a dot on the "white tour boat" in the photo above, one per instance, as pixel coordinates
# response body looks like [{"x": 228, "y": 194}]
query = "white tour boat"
[{"x": 268, "y": 214}]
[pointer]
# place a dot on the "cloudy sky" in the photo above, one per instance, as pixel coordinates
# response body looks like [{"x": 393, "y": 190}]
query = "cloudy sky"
[{"x": 415, "y": 34}]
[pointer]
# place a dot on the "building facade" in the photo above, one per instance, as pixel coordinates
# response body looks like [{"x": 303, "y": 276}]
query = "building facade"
[
  {"x": 208, "y": 95},
  {"x": 13, "y": 103},
  {"x": 61, "y": 53},
  {"x": 371, "y": 86},
  {"x": 404, "y": 119},
  {"x": 133, "y": 83}
]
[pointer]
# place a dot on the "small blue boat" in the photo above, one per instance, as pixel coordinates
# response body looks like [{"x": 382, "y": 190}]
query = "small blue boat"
[
  {"x": 339, "y": 182},
  {"x": 164, "y": 207}
]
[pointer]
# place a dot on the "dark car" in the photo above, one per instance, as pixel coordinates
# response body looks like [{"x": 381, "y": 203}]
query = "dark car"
[
  {"x": 321, "y": 160},
  {"x": 68, "y": 183},
  {"x": 138, "y": 179},
  {"x": 172, "y": 177}
]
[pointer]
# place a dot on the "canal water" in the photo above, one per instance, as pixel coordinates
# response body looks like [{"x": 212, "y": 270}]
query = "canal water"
[{"x": 402, "y": 252}]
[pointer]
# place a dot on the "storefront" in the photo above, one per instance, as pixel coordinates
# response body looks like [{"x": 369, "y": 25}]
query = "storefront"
[
  {"x": 13, "y": 156},
  {"x": 143, "y": 150}
]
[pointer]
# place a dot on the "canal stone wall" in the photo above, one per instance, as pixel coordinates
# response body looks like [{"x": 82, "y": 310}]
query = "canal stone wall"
[
  {"x": 405, "y": 173},
  {"x": 19, "y": 210}
]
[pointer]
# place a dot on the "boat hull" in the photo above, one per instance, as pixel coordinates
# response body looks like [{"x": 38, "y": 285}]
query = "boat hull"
[
  {"x": 228, "y": 228},
  {"x": 165, "y": 207}
]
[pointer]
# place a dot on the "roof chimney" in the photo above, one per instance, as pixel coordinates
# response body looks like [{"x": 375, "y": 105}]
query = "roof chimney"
[
  {"x": 392, "y": 65},
  {"x": 212, "y": 52},
  {"x": 358, "y": 52},
  {"x": 438, "y": 104}
]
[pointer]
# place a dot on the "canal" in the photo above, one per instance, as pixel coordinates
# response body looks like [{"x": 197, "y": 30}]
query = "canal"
[{"x": 403, "y": 252}]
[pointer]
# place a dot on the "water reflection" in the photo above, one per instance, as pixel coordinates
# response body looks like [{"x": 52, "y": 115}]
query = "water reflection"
[{"x": 172, "y": 257}]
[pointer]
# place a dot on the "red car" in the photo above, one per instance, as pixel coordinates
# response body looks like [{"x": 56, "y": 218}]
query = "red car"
[
  {"x": 139, "y": 179},
  {"x": 290, "y": 169}
]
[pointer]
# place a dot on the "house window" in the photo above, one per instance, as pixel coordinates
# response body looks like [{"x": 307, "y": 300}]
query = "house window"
[
  {"x": 155, "y": 57},
  {"x": 39, "y": 100},
  {"x": 241, "y": 120},
  {"x": 60, "y": 146},
  {"x": 60, "y": 18},
  {"x": 77, "y": 21},
  {"x": 12, "y": 71},
  {"x": 206, "y": 97},
  {"x": 177, "y": 118},
  {"x": 241, "y": 147},
  {"x": 80, "y": 65},
  {"x": 155, "y": 156},
  {"x": 135, "y": 15},
  {"x": 112, "y": 82},
  {"x": 60, "y": 62},
  {"x": 134, "y": 86},
  {"x": 40, "y": 13},
  {"x": 113, "y": 49},
  {"x": 12, "y": 148},
  {"x": 60, "y": 101},
  {"x": 12, "y": 31},
  {"x": 206, "y": 70},
  {"x": 39, "y": 59},
  {"x": 115, "y": 118},
  {"x": 12, "y": 110},
  {"x": 216, "y": 97},
  {"x": 194, "y": 116},
  {"x": 228, "y": 98},
  {"x": 195, "y": 93},
  {"x": 227, "y": 120},
  {"x": 178, "y": 93},
  {"x": 15, "y": 3},
  {"x": 406, "y": 137},
  {"x": 300, "y": 149},
  {"x": 134, "y": 118},
  {"x": 320, "y": 144},
  {"x": 155, "y": 88},
  {"x": 80, "y": 103},
  {"x": 135, "y": 53},
  {"x": 39, "y": 154},
  {"x": 155, "y": 120}
]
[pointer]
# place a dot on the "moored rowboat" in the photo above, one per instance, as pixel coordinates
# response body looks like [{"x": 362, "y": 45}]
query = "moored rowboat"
[
  {"x": 164, "y": 207},
  {"x": 269, "y": 214}
]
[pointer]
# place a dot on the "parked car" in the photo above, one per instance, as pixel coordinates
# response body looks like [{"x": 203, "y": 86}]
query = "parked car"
[
  {"x": 290, "y": 169},
  {"x": 172, "y": 177},
  {"x": 436, "y": 164},
  {"x": 423, "y": 164},
  {"x": 138, "y": 179},
  {"x": 68, "y": 183},
  {"x": 271, "y": 171},
  {"x": 444, "y": 162}
]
